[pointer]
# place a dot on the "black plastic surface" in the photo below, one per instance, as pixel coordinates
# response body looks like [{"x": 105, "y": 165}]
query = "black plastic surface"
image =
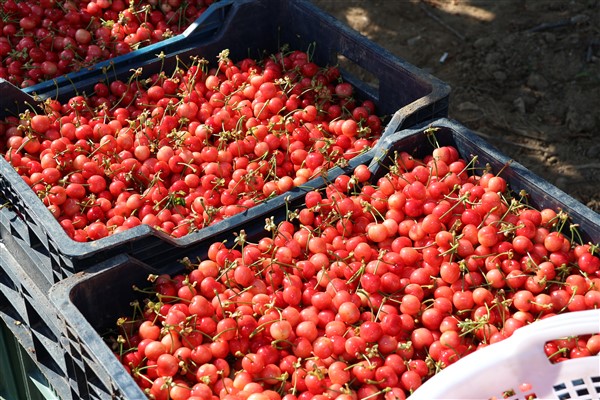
[{"x": 34, "y": 322}]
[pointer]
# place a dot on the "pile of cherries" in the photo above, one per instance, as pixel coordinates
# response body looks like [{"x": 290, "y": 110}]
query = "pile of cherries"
[
  {"x": 182, "y": 151},
  {"x": 371, "y": 288},
  {"x": 41, "y": 40}
]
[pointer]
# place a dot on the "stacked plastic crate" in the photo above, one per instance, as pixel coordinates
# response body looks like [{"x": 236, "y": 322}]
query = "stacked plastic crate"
[{"x": 92, "y": 302}]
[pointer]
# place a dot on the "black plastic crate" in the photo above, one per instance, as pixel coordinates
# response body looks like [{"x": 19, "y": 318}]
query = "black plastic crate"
[
  {"x": 91, "y": 302},
  {"x": 206, "y": 25},
  {"x": 249, "y": 27},
  {"x": 34, "y": 324}
]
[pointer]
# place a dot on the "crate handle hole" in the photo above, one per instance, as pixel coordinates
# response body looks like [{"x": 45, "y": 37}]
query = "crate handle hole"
[{"x": 359, "y": 76}]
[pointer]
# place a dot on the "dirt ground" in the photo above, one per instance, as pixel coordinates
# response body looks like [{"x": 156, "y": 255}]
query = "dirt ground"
[{"x": 525, "y": 74}]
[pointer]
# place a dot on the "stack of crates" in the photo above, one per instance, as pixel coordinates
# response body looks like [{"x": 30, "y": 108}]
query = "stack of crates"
[{"x": 57, "y": 296}]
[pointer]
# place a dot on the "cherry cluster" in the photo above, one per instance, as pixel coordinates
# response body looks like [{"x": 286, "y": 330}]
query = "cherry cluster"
[
  {"x": 366, "y": 292},
  {"x": 184, "y": 151},
  {"x": 48, "y": 38}
]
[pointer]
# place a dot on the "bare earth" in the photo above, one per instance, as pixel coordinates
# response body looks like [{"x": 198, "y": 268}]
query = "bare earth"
[{"x": 525, "y": 74}]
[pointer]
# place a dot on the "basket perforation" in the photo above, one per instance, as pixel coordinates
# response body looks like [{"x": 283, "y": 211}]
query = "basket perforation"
[
  {"x": 581, "y": 392},
  {"x": 578, "y": 389}
]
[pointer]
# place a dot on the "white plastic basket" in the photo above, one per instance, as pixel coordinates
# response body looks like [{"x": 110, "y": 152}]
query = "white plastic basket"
[{"x": 518, "y": 368}]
